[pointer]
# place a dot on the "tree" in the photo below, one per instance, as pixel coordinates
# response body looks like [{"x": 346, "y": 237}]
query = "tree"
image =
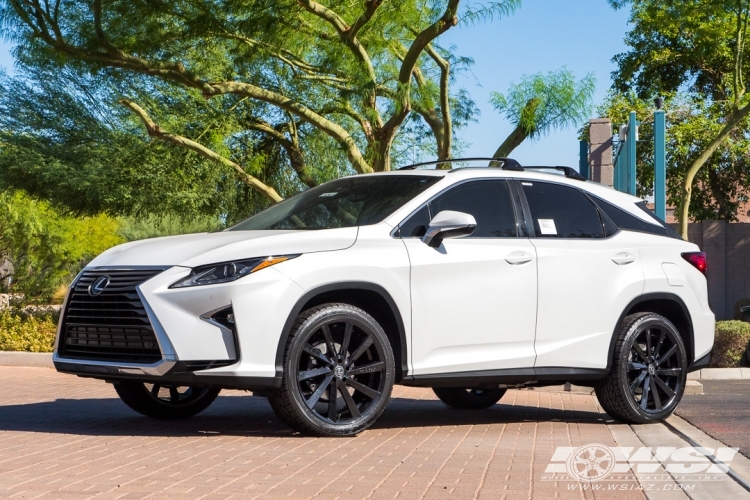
[
  {"x": 691, "y": 122},
  {"x": 353, "y": 74},
  {"x": 699, "y": 45},
  {"x": 542, "y": 103}
]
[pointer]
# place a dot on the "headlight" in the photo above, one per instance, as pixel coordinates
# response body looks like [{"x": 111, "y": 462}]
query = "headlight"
[{"x": 225, "y": 272}]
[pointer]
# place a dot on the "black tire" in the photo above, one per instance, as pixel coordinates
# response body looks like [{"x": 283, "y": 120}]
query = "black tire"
[
  {"x": 468, "y": 399},
  {"x": 340, "y": 346},
  {"x": 166, "y": 402},
  {"x": 649, "y": 369}
]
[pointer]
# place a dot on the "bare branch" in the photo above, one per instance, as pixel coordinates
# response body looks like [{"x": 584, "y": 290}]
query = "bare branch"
[
  {"x": 370, "y": 7},
  {"x": 157, "y": 132},
  {"x": 445, "y": 67},
  {"x": 296, "y": 158}
]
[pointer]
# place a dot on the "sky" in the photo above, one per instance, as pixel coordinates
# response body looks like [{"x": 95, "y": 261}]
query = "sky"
[{"x": 541, "y": 36}]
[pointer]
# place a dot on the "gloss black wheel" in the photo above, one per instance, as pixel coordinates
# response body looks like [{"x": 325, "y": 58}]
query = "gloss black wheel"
[
  {"x": 649, "y": 370},
  {"x": 471, "y": 399},
  {"x": 338, "y": 372},
  {"x": 165, "y": 401}
]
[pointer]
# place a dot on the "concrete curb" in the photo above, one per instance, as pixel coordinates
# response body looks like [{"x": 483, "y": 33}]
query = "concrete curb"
[
  {"x": 720, "y": 374},
  {"x": 39, "y": 359}
]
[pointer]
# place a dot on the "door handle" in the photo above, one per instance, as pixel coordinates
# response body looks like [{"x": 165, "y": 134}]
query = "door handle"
[
  {"x": 516, "y": 258},
  {"x": 623, "y": 258}
]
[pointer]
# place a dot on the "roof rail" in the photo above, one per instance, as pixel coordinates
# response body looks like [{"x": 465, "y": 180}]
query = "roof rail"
[
  {"x": 508, "y": 163},
  {"x": 568, "y": 171}
]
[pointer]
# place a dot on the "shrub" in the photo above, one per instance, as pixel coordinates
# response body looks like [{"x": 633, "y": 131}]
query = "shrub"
[
  {"x": 730, "y": 345},
  {"x": 21, "y": 331}
]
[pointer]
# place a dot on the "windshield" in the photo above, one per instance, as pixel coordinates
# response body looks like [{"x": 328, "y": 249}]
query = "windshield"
[{"x": 347, "y": 202}]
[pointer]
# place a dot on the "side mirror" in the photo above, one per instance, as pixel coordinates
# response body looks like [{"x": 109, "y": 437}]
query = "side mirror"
[{"x": 448, "y": 224}]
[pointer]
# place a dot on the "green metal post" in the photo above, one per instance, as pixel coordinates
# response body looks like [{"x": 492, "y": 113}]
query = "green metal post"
[
  {"x": 583, "y": 159},
  {"x": 660, "y": 165},
  {"x": 632, "y": 127}
]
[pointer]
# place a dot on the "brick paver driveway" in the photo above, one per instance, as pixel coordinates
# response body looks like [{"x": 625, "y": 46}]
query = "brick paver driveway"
[{"x": 68, "y": 437}]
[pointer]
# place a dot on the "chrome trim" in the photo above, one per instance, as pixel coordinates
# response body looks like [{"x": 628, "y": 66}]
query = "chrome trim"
[
  {"x": 85, "y": 366},
  {"x": 165, "y": 345}
]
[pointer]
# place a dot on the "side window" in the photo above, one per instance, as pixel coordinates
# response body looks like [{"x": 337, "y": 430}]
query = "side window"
[
  {"x": 416, "y": 225},
  {"x": 628, "y": 222},
  {"x": 561, "y": 211},
  {"x": 488, "y": 201}
]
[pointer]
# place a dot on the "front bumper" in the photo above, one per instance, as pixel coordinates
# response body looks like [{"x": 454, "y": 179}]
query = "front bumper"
[
  {"x": 196, "y": 349},
  {"x": 162, "y": 372}
]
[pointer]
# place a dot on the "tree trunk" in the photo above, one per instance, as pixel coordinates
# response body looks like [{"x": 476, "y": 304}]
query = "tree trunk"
[
  {"x": 513, "y": 140},
  {"x": 687, "y": 185}
]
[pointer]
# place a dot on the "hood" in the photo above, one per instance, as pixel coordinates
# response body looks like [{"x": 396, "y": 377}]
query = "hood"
[{"x": 193, "y": 250}]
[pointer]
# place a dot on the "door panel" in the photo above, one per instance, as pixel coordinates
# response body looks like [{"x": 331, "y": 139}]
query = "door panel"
[
  {"x": 473, "y": 298},
  {"x": 582, "y": 292},
  {"x": 471, "y": 309},
  {"x": 588, "y": 273}
]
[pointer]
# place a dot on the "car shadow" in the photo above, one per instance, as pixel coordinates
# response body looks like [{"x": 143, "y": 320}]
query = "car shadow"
[{"x": 252, "y": 416}]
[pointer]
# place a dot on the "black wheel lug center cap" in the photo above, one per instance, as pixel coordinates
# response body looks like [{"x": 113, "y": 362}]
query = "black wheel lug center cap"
[
  {"x": 339, "y": 371},
  {"x": 651, "y": 369}
]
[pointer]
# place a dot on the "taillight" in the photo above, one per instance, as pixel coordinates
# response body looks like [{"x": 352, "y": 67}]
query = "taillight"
[{"x": 697, "y": 259}]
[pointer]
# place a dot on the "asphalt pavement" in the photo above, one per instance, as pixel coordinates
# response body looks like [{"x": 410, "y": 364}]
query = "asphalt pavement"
[{"x": 722, "y": 412}]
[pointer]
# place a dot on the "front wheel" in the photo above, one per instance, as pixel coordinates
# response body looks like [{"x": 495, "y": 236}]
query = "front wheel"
[
  {"x": 338, "y": 372},
  {"x": 469, "y": 399},
  {"x": 649, "y": 368},
  {"x": 165, "y": 401}
]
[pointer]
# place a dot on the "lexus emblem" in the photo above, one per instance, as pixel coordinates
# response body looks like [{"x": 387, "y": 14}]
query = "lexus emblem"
[{"x": 98, "y": 286}]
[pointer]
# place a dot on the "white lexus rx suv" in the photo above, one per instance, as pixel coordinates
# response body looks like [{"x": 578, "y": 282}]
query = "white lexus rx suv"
[{"x": 469, "y": 280}]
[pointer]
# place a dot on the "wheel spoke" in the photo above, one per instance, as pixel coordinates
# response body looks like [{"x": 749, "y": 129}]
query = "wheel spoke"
[
  {"x": 174, "y": 395},
  {"x": 638, "y": 381},
  {"x": 350, "y": 403},
  {"x": 333, "y": 400},
  {"x": 370, "y": 393},
  {"x": 648, "y": 342},
  {"x": 319, "y": 391},
  {"x": 360, "y": 350},
  {"x": 632, "y": 365},
  {"x": 659, "y": 343},
  {"x": 667, "y": 355},
  {"x": 315, "y": 353},
  {"x": 371, "y": 368},
  {"x": 655, "y": 393},
  {"x": 644, "y": 396},
  {"x": 637, "y": 348},
  {"x": 664, "y": 387},
  {"x": 347, "y": 339},
  {"x": 315, "y": 372},
  {"x": 669, "y": 372},
  {"x": 155, "y": 390},
  {"x": 329, "y": 342}
]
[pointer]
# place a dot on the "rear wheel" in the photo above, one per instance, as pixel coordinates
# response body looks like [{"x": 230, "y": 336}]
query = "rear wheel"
[
  {"x": 471, "y": 399},
  {"x": 338, "y": 372},
  {"x": 648, "y": 373},
  {"x": 165, "y": 401}
]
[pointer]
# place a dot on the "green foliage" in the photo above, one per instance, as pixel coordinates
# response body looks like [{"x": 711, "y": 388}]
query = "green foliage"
[
  {"x": 675, "y": 44},
  {"x": 25, "y": 332},
  {"x": 541, "y": 103},
  {"x": 730, "y": 344},
  {"x": 691, "y": 123},
  {"x": 132, "y": 229},
  {"x": 45, "y": 247}
]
